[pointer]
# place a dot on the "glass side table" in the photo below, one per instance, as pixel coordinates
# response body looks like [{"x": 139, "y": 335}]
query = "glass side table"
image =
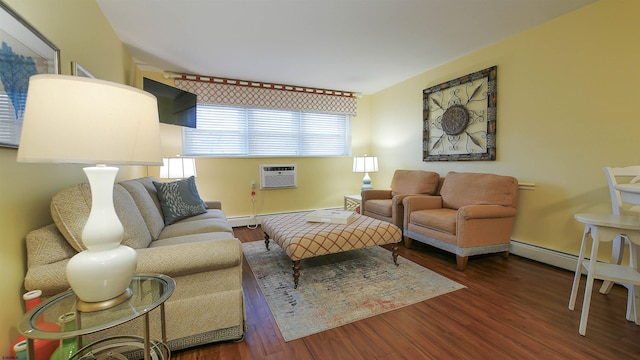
[{"x": 148, "y": 293}]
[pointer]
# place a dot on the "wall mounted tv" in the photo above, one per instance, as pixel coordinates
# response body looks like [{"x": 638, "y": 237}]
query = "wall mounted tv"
[{"x": 175, "y": 106}]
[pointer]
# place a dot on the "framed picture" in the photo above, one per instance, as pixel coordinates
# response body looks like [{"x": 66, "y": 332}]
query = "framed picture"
[
  {"x": 459, "y": 118},
  {"x": 78, "y": 70},
  {"x": 23, "y": 52}
]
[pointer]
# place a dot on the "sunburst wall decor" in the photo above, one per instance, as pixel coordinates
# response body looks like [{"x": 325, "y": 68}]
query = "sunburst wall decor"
[{"x": 459, "y": 118}]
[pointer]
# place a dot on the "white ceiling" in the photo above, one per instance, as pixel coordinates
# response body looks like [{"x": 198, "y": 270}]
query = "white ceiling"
[{"x": 351, "y": 45}]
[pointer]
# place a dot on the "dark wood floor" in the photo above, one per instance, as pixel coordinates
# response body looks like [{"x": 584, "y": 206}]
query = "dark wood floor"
[{"x": 512, "y": 308}]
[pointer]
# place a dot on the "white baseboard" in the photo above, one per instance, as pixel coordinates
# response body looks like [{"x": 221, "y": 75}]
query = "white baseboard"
[
  {"x": 243, "y": 221},
  {"x": 544, "y": 255}
]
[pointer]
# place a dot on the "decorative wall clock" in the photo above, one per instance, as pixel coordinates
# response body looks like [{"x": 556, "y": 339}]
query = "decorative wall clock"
[{"x": 459, "y": 118}]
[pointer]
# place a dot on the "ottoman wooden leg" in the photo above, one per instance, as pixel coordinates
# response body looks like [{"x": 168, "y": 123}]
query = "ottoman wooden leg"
[
  {"x": 296, "y": 273},
  {"x": 266, "y": 240},
  {"x": 394, "y": 253}
]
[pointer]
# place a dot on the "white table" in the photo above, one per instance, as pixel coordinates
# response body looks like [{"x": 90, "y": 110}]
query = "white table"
[
  {"x": 352, "y": 202},
  {"x": 630, "y": 193}
]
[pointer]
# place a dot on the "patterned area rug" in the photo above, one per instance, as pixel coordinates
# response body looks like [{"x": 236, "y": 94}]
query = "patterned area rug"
[{"x": 338, "y": 289}]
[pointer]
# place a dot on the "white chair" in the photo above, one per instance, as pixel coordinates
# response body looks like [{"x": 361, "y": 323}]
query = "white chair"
[
  {"x": 615, "y": 175},
  {"x": 604, "y": 228}
]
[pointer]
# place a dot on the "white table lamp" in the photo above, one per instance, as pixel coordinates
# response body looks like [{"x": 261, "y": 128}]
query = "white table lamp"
[
  {"x": 80, "y": 120},
  {"x": 365, "y": 164},
  {"x": 178, "y": 168}
]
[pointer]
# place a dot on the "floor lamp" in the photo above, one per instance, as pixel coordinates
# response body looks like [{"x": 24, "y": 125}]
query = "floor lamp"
[{"x": 70, "y": 119}]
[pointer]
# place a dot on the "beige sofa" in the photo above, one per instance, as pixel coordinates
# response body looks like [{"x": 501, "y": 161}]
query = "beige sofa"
[
  {"x": 473, "y": 214},
  {"x": 199, "y": 252}
]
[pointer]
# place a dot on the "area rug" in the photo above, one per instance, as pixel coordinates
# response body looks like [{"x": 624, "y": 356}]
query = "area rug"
[{"x": 338, "y": 289}]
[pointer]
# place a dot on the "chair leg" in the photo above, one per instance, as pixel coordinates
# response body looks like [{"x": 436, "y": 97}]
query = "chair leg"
[
  {"x": 632, "y": 309},
  {"x": 462, "y": 262},
  {"x": 407, "y": 242},
  {"x": 578, "y": 273},
  {"x": 633, "y": 304},
  {"x": 616, "y": 258},
  {"x": 589, "y": 287}
]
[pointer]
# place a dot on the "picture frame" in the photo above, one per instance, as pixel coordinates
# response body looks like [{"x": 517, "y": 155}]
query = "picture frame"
[
  {"x": 78, "y": 70},
  {"x": 24, "y": 52},
  {"x": 459, "y": 118}
]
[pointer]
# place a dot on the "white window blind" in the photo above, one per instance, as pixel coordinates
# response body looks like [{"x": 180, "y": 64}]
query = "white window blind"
[
  {"x": 238, "y": 131},
  {"x": 10, "y": 127}
]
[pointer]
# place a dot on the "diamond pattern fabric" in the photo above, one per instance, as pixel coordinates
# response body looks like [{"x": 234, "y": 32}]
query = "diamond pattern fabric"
[
  {"x": 301, "y": 239},
  {"x": 233, "y": 95}
]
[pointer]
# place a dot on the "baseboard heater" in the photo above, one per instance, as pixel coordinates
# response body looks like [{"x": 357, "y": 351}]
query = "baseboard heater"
[{"x": 278, "y": 176}]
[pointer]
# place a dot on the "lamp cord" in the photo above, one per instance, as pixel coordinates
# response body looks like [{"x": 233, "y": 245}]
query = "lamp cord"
[{"x": 254, "y": 216}]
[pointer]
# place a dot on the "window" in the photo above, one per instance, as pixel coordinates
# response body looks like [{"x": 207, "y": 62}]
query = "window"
[
  {"x": 238, "y": 131},
  {"x": 10, "y": 126}
]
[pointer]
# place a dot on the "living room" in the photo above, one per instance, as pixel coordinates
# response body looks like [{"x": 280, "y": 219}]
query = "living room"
[{"x": 556, "y": 83}]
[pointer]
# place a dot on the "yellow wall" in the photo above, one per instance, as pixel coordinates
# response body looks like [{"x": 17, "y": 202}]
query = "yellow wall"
[
  {"x": 82, "y": 33},
  {"x": 567, "y": 92}
]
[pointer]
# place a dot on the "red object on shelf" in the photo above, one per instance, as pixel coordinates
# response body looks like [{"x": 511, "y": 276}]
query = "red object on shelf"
[{"x": 42, "y": 348}]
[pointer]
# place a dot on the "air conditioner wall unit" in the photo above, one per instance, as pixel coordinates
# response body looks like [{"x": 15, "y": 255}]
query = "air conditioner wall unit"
[{"x": 278, "y": 176}]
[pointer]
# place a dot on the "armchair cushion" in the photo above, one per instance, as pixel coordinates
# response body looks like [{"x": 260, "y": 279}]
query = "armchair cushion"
[
  {"x": 441, "y": 219},
  {"x": 414, "y": 182},
  {"x": 380, "y": 206},
  {"x": 460, "y": 189}
]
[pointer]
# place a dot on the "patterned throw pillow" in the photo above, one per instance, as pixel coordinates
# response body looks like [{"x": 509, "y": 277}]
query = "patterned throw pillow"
[{"x": 179, "y": 199}]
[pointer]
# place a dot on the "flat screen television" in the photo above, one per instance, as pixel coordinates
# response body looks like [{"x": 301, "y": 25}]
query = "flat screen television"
[{"x": 175, "y": 106}]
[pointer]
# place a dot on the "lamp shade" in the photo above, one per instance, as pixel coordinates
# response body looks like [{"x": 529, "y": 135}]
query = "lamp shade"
[
  {"x": 70, "y": 119},
  {"x": 365, "y": 164},
  {"x": 178, "y": 168}
]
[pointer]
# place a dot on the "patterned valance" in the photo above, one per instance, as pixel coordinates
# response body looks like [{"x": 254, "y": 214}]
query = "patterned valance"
[{"x": 272, "y": 96}]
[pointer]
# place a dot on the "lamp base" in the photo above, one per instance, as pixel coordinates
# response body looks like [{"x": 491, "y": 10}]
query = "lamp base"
[
  {"x": 104, "y": 270},
  {"x": 101, "y": 275},
  {"x": 366, "y": 182},
  {"x": 85, "y": 306}
]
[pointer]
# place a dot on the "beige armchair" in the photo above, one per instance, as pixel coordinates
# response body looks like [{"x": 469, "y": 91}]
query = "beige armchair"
[
  {"x": 473, "y": 215},
  {"x": 386, "y": 205}
]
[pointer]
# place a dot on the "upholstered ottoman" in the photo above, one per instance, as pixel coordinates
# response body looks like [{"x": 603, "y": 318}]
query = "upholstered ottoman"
[{"x": 301, "y": 239}]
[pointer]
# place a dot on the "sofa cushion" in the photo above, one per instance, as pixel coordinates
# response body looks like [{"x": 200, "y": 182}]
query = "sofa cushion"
[
  {"x": 209, "y": 214},
  {"x": 188, "y": 227},
  {"x": 414, "y": 182},
  {"x": 148, "y": 206},
  {"x": 147, "y": 182},
  {"x": 70, "y": 210},
  {"x": 191, "y": 238},
  {"x": 179, "y": 199},
  {"x": 461, "y": 189}
]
